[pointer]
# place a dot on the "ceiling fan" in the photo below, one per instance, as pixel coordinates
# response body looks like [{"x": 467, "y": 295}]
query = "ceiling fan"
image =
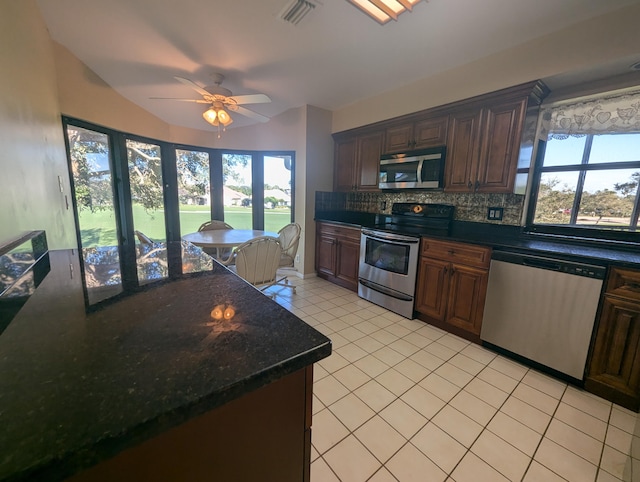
[{"x": 221, "y": 101}]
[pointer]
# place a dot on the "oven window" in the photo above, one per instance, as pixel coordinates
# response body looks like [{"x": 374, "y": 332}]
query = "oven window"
[{"x": 387, "y": 256}]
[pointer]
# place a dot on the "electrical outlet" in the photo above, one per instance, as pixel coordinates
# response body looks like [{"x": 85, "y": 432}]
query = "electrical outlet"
[
  {"x": 297, "y": 258},
  {"x": 495, "y": 213}
]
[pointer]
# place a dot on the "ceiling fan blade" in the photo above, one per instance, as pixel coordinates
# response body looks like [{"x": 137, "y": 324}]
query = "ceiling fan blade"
[
  {"x": 197, "y": 101},
  {"x": 250, "y": 99},
  {"x": 249, "y": 113},
  {"x": 193, "y": 85}
]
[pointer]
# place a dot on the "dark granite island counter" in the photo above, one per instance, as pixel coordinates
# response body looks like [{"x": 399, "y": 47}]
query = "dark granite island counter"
[{"x": 154, "y": 386}]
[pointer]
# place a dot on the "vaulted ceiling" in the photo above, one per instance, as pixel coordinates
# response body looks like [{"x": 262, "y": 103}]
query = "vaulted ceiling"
[{"x": 333, "y": 57}]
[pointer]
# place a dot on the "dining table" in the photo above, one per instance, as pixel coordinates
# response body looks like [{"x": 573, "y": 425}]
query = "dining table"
[{"x": 224, "y": 238}]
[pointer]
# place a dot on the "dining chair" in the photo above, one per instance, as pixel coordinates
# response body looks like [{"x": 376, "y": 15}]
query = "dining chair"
[
  {"x": 289, "y": 238},
  {"x": 214, "y": 224},
  {"x": 257, "y": 261}
]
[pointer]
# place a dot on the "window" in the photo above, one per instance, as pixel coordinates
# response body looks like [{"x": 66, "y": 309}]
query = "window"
[
  {"x": 587, "y": 172},
  {"x": 131, "y": 193}
]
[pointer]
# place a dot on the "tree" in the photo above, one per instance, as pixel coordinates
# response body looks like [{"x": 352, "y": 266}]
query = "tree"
[
  {"x": 229, "y": 163},
  {"x": 145, "y": 175},
  {"x": 92, "y": 183},
  {"x": 554, "y": 204},
  {"x": 193, "y": 174},
  {"x": 629, "y": 187}
]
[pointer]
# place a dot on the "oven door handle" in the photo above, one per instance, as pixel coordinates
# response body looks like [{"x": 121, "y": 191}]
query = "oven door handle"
[
  {"x": 385, "y": 291},
  {"x": 390, "y": 237}
]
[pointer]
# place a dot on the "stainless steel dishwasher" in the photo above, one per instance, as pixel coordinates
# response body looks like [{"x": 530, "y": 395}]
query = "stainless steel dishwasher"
[{"x": 543, "y": 309}]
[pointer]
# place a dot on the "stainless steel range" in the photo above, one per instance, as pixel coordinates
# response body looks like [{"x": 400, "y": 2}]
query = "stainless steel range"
[{"x": 389, "y": 253}]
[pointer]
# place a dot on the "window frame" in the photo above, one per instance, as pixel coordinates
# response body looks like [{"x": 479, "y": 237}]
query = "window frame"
[{"x": 630, "y": 234}]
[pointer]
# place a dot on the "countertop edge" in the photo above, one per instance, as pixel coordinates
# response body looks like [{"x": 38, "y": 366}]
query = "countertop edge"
[{"x": 83, "y": 458}]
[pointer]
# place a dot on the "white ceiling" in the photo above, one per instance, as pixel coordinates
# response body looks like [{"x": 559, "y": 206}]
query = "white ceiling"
[{"x": 332, "y": 58}]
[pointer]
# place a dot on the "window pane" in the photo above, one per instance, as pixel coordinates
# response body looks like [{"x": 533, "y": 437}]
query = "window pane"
[
  {"x": 236, "y": 174},
  {"x": 605, "y": 203},
  {"x": 615, "y": 148},
  {"x": 555, "y": 198},
  {"x": 145, "y": 176},
  {"x": 277, "y": 192},
  {"x": 564, "y": 152},
  {"x": 93, "y": 182},
  {"x": 194, "y": 197}
]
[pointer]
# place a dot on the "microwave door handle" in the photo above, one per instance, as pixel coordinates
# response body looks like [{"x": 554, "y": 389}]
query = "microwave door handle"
[{"x": 419, "y": 172}]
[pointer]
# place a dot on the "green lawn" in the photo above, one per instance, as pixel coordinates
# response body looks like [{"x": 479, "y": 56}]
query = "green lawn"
[{"x": 98, "y": 229}]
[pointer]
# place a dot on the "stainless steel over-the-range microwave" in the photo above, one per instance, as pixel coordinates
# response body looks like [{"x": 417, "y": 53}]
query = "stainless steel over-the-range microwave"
[{"x": 422, "y": 169}]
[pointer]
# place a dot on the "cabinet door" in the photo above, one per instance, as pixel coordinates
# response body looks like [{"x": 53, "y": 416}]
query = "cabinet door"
[
  {"x": 502, "y": 131},
  {"x": 467, "y": 291},
  {"x": 348, "y": 261},
  {"x": 432, "y": 288},
  {"x": 614, "y": 363},
  {"x": 462, "y": 151},
  {"x": 344, "y": 165},
  {"x": 398, "y": 139},
  {"x": 368, "y": 154},
  {"x": 326, "y": 254},
  {"x": 431, "y": 132}
]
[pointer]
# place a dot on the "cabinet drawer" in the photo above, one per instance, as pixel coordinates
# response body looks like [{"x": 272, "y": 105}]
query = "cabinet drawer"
[
  {"x": 469, "y": 254},
  {"x": 624, "y": 283},
  {"x": 337, "y": 230}
]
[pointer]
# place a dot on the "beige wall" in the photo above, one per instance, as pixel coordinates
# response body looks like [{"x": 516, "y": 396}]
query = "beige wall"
[
  {"x": 32, "y": 153},
  {"x": 590, "y": 43}
]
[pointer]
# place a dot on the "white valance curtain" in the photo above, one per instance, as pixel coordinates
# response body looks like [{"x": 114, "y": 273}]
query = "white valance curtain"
[{"x": 609, "y": 113}]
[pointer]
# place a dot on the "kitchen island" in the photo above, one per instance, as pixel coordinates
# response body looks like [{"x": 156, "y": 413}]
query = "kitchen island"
[{"x": 198, "y": 377}]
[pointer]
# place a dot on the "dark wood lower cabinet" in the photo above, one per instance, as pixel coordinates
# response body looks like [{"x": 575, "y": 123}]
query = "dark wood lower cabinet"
[
  {"x": 338, "y": 254},
  {"x": 614, "y": 367},
  {"x": 452, "y": 285},
  {"x": 264, "y": 435}
]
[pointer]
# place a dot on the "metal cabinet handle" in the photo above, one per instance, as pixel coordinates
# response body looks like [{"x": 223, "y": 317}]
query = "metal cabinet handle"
[
  {"x": 469, "y": 184},
  {"x": 477, "y": 185}
]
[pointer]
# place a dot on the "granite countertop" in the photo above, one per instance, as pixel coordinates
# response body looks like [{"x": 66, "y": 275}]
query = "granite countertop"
[
  {"x": 78, "y": 387},
  {"x": 509, "y": 238}
]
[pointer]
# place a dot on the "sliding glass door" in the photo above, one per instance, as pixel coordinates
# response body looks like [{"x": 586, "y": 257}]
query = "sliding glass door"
[
  {"x": 278, "y": 182},
  {"x": 136, "y": 197},
  {"x": 146, "y": 189},
  {"x": 194, "y": 189},
  {"x": 91, "y": 166}
]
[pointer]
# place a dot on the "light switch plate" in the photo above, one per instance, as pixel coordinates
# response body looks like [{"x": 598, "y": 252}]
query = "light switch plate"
[{"x": 495, "y": 213}]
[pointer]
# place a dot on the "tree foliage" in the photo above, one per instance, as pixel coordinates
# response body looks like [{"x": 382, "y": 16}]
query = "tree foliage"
[
  {"x": 92, "y": 184},
  {"x": 145, "y": 174},
  {"x": 555, "y": 203}
]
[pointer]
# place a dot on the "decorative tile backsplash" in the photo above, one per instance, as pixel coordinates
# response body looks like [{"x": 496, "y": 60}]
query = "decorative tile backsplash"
[{"x": 469, "y": 206}]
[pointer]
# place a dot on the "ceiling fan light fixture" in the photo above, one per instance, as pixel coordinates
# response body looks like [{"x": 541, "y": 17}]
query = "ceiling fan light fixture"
[
  {"x": 384, "y": 10},
  {"x": 224, "y": 117},
  {"x": 210, "y": 115}
]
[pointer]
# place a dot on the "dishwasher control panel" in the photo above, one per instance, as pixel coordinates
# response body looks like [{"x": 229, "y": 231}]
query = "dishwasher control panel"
[{"x": 552, "y": 264}]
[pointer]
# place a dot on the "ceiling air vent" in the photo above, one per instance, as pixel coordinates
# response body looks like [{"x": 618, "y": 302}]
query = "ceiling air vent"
[{"x": 296, "y": 10}]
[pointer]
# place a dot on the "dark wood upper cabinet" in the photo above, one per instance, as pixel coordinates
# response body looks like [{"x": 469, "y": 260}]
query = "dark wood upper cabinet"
[
  {"x": 483, "y": 148},
  {"x": 429, "y": 132},
  {"x": 461, "y": 163},
  {"x": 357, "y": 162},
  {"x": 482, "y": 137}
]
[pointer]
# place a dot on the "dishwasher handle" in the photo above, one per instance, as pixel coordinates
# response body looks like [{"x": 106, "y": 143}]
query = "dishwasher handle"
[{"x": 542, "y": 263}]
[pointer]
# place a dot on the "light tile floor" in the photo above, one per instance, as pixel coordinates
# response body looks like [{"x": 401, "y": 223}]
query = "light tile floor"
[{"x": 400, "y": 400}]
